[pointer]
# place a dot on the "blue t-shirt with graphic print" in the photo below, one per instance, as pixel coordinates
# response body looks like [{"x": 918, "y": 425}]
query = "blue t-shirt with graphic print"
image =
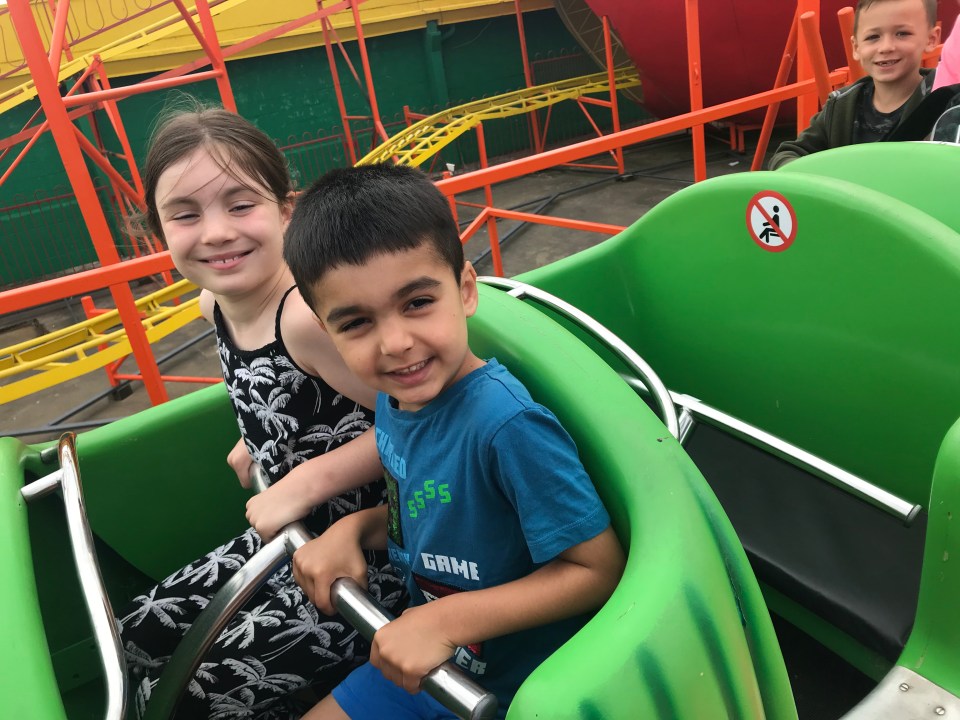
[{"x": 484, "y": 487}]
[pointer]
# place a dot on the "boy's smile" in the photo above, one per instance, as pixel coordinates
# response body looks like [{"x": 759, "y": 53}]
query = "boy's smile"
[
  {"x": 890, "y": 40},
  {"x": 400, "y": 322}
]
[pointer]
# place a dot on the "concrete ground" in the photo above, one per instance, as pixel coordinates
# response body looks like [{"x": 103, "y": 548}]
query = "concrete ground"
[{"x": 823, "y": 685}]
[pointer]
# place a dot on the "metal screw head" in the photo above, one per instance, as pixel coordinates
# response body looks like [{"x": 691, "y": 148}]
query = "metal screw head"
[
  {"x": 904, "y": 687},
  {"x": 940, "y": 711}
]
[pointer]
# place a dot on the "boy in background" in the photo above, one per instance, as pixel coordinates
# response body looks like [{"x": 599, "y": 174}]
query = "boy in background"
[
  {"x": 889, "y": 40},
  {"x": 492, "y": 520}
]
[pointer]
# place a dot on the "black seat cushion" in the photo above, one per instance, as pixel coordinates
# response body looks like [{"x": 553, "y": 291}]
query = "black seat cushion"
[{"x": 847, "y": 561}]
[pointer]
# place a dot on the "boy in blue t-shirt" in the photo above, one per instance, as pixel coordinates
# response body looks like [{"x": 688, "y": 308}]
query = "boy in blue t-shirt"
[{"x": 492, "y": 521}]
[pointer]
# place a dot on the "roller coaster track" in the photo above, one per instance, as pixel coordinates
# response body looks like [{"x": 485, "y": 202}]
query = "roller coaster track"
[
  {"x": 424, "y": 139},
  {"x": 92, "y": 344},
  {"x": 115, "y": 49}
]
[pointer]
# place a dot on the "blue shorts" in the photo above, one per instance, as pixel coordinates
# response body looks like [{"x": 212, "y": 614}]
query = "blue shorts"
[{"x": 367, "y": 695}]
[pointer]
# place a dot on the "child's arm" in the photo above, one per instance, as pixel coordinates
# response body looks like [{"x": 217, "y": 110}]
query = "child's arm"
[
  {"x": 314, "y": 482},
  {"x": 351, "y": 465},
  {"x": 580, "y": 579},
  {"x": 814, "y": 139},
  {"x": 338, "y": 553}
]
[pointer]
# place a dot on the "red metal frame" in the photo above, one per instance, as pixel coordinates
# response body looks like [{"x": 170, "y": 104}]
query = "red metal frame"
[
  {"x": 538, "y": 139},
  {"x": 614, "y": 108},
  {"x": 692, "y": 13},
  {"x": 71, "y": 143},
  {"x": 69, "y": 148},
  {"x": 117, "y": 275},
  {"x": 807, "y": 104}
]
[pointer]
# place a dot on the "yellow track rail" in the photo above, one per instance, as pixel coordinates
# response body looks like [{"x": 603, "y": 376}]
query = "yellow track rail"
[
  {"x": 118, "y": 48},
  {"x": 427, "y": 137},
  {"x": 92, "y": 344}
]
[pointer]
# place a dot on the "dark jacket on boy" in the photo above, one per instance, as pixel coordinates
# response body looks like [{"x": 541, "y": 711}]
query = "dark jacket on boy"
[{"x": 833, "y": 126}]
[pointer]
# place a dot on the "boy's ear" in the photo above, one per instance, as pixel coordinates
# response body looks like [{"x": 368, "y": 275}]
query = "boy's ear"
[
  {"x": 286, "y": 209},
  {"x": 933, "y": 39},
  {"x": 853, "y": 44},
  {"x": 319, "y": 322},
  {"x": 468, "y": 289}
]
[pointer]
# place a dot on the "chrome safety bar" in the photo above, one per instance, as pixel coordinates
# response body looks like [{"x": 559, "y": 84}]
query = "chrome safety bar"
[
  {"x": 447, "y": 684},
  {"x": 815, "y": 465},
  {"x": 106, "y": 634},
  {"x": 627, "y": 354}
]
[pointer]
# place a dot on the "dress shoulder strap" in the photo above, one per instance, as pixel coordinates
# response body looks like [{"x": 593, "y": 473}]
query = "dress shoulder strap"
[{"x": 283, "y": 300}]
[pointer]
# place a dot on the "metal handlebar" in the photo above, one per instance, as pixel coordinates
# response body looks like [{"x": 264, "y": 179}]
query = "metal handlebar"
[
  {"x": 106, "y": 634},
  {"x": 447, "y": 684}
]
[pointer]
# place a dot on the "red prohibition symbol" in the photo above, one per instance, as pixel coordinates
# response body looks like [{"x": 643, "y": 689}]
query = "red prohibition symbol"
[{"x": 771, "y": 221}]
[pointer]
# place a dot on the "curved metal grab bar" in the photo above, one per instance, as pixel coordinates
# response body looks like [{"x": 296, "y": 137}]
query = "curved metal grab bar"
[
  {"x": 693, "y": 410},
  {"x": 519, "y": 290},
  {"x": 446, "y": 683},
  {"x": 106, "y": 634}
]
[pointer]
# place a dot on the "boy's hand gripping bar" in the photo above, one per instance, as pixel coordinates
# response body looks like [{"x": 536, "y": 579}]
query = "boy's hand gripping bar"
[{"x": 447, "y": 684}]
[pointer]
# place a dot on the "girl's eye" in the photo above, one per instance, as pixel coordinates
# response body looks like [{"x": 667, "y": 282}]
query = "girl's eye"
[
  {"x": 185, "y": 215},
  {"x": 241, "y": 207}
]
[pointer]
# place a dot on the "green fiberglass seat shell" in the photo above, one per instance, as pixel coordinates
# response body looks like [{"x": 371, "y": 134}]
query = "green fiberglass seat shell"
[
  {"x": 686, "y": 632},
  {"x": 817, "y": 303}
]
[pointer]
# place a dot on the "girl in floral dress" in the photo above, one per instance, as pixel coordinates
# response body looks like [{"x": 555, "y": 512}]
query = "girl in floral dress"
[{"x": 219, "y": 193}]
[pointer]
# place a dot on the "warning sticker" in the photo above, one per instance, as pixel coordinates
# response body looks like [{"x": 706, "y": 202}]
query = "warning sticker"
[{"x": 771, "y": 221}]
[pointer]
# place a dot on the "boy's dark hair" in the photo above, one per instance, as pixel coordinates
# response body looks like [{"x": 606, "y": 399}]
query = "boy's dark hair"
[
  {"x": 352, "y": 214},
  {"x": 929, "y": 5},
  {"x": 237, "y": 145}
]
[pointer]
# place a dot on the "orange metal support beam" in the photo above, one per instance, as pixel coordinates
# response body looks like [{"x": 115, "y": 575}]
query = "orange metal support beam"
[
  {"x": 367, "y": 75},
  {"x": 197, "y": 32},
  {"x": 696, "y": 87},
  {"x": 631, "y": 136},
  {"x": 113, "y": 114},
  {"x": 567, "y": 223},
  {"x": 786, "y": 63},
  {"x": 62, "y": 128},
  {"x": 257, "y": 40},
  {"x": 611, "y": 81},
  {"x": 337, "y": 89},
  {"x": 806, "y": 104},
  {"x": 88, "y": 281},
  {"x": 138, "y": 89},
  {"x": 216, "y": 56},
  {"x": 538, "y": 141},
  {"x": 101, "y": 162},
  {"x": 58, "y": 35},
  {"x": 810, "y": 24},
  {"x": 845, "y": 19},
  {"x": 492, "y": 234}
]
